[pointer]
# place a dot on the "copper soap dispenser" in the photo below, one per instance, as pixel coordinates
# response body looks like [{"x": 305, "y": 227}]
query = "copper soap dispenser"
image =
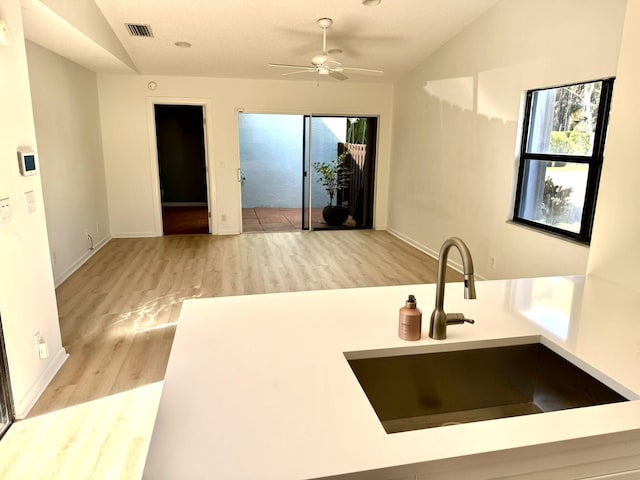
[{"x": 410, "y": 321}]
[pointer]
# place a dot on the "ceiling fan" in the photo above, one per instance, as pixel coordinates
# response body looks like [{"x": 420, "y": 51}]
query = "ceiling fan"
[{"x": 324, "y": 64}]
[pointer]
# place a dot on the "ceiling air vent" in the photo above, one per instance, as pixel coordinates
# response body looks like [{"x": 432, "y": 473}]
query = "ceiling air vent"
[{"x": 139, "y": 30}]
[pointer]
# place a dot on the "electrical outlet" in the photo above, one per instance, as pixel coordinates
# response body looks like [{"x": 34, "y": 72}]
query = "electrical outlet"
[
  {"x": 42, "y": 349},
  {"x": 97, "y": 227},
  {"x": 54, "y": 258},
  {"x": 492, "y": 262}
]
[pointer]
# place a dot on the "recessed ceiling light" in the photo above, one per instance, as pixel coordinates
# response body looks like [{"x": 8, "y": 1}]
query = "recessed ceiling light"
[
  {"x": 182, "y": 44},
  {"x": 371, "y": 3},
  {"x": 335, "y": 51}
]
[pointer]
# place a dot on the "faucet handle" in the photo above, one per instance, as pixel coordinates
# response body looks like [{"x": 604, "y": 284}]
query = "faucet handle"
[{"x": 458, "y": 319}]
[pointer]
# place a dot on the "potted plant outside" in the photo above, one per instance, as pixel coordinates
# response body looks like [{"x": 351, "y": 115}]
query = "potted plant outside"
[{"x": 334, "y": 176}]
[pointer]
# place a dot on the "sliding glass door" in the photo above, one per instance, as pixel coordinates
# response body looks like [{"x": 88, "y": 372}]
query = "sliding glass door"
[
  {"x": 271, "y": 148},
  {"x": 342, "y": 166},
  {"x": 306, "y": 172}
]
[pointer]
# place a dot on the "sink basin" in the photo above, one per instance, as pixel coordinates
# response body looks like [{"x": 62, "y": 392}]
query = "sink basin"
[{"x": 412, "y": 392}]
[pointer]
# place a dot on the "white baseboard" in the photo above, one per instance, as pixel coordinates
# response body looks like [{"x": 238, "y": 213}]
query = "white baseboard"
[
  {"x": 413, "y": 243},
  {"x": 25, "y": 404},
  {"x": 79, "y": 262},
  {"x": 432, "y": 253}
]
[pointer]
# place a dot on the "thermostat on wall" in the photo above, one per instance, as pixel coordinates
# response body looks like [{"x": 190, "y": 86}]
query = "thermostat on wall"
[{"x": 27, "y": 159}]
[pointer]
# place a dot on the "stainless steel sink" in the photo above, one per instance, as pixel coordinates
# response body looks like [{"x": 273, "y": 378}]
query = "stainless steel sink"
[{"x": 411, "y": 392}]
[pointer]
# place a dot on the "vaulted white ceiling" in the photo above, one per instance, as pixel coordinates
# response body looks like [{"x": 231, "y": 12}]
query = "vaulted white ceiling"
[{"x": 237, "y": 38}]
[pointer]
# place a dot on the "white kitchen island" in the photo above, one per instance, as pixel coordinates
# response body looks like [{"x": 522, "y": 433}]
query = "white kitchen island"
[{"x": 258, "y": 387}]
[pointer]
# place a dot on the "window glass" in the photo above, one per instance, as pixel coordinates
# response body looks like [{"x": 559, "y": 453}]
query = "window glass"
[
  {"x": 563, "y": 120},
  {"x": 555, "y": 193},
  {"x": 562, "y": 151}
]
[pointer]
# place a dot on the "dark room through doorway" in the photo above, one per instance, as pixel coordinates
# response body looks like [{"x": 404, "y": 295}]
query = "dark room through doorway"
[{"x": 180, "y": 140}]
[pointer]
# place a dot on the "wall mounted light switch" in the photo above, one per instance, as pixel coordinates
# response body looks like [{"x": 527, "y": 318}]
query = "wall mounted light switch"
[
  {"x": 30, "y": 199},
  {"x": 6, "y": 215}
]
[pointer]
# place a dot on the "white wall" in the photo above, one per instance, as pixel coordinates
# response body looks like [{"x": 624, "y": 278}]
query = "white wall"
[
  {"x": 87, "y": 17},
  {"x": 67, "y": 121},
  {"x": 77, "y": 30},
  {"x": 615, "y": 250},
  {"x": 27, "y": 300},
  {"x": 456, "y": 137},
  {"x": 129, "y": 154}
]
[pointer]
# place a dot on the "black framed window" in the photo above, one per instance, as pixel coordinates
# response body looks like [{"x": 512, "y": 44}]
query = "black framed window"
[{"x": 561, "y": 157}]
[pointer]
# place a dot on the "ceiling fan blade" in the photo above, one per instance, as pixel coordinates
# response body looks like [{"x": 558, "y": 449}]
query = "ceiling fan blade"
[
  {"x": 338, "y": 76},
  {"x": 332, "y": 63},
  {"x": 325, "y": 64},
  {"x": 285, "y": 65},
  {"x": 308, "y": 70},
  {"x": 366, "y": 71}
]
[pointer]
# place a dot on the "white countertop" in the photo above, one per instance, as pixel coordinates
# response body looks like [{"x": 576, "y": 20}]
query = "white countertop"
[{"x": 258, "y": 386}]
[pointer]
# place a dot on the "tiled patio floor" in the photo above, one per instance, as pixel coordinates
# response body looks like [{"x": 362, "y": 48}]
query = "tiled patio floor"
[
  {"x": 190, "y": 220},
  {"x": 280, "y": 219},
  {"x": 273, "y": 219}
]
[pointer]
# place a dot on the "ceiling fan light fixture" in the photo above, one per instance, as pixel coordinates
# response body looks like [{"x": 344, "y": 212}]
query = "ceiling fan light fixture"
[
  {"x": 319, "y": 60},
  {"x": 371, "y": 3}
]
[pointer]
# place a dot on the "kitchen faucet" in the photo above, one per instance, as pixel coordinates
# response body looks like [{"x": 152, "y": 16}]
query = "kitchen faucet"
[{"x": 440, "y": 319}]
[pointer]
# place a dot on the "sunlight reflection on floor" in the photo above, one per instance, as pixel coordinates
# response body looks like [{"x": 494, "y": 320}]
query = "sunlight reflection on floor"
[
  {"x": 106, "y": 438},
  {"x": 146, "y": 316}
]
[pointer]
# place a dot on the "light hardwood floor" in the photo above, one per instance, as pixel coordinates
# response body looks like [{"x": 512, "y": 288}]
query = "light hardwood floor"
[{"x": 118, "y": 315}]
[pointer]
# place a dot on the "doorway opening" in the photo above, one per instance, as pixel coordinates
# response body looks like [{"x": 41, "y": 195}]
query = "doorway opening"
[
  {"x": 286, "y": 166},
  {"x": 6, "y": 404},
  {"x": 182, "y": 169}
]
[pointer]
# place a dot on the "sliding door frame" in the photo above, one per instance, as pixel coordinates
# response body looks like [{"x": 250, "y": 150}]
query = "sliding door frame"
[{"x": 307, "y": 160}]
